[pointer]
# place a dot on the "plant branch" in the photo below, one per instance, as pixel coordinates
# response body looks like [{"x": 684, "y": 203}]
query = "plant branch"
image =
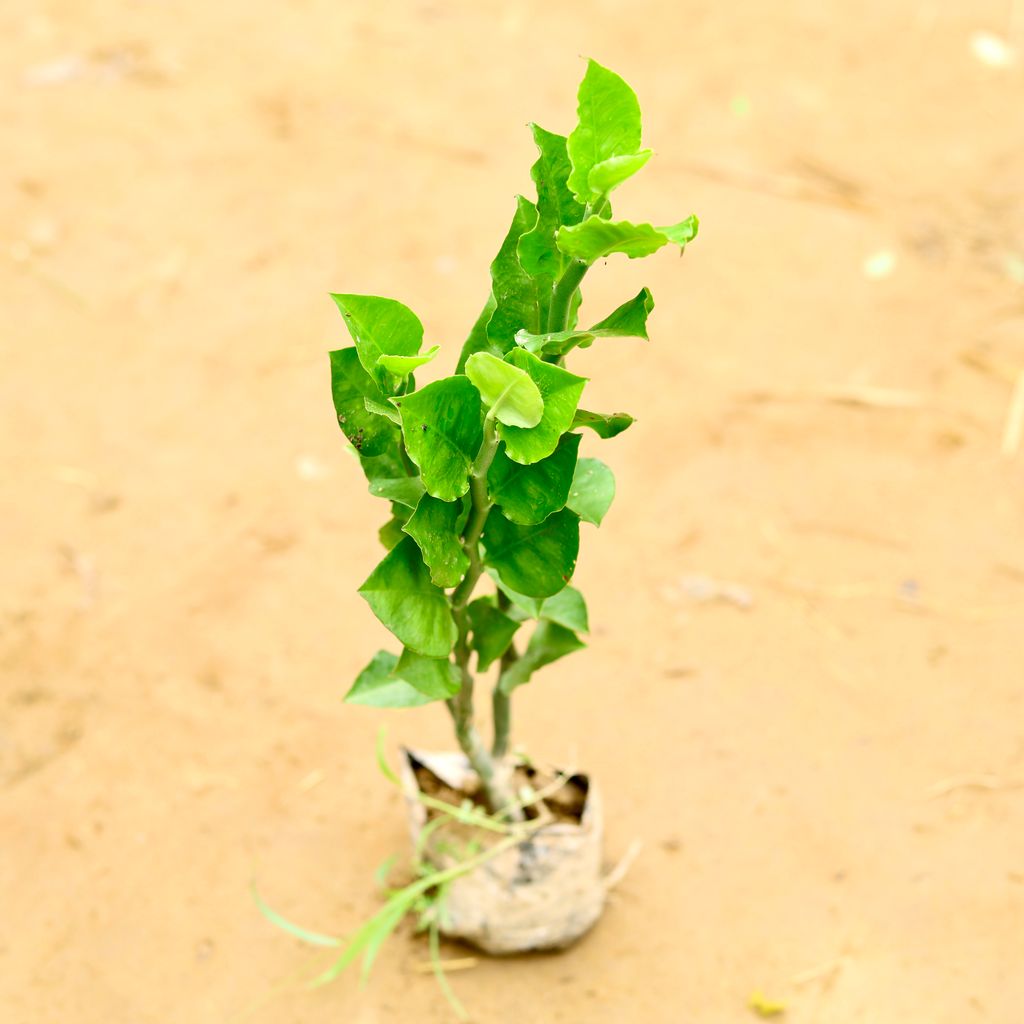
[
  {"x": 490, "y": 770},
  {"x": 561, "y": 298}
]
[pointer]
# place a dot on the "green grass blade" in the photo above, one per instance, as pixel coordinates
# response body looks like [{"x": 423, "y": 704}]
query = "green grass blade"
[{"x": 313, "y": 938}]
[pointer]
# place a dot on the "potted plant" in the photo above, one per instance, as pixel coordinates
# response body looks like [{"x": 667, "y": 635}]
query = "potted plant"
[{"x": 487, "y": 493}]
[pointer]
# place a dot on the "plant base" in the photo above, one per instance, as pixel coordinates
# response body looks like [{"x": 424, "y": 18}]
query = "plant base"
[{"x": 542, "y": 893}]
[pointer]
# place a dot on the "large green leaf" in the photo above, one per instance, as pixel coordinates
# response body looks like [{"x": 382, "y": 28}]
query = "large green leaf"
[
  {"x": 535, "y": 560},
  {"x": 435, "y": 528},
  {"x": 567, "y": 608},
  {"x": 506, "y": 390},
  {"x": 443, "y": 429},
  {"x": 561, "y": 392},
  {"x": 436, "y": 678},
  {"x": 351, "y": 385},
  {"x": 628, "y": 321},
  {"x": 391, "y": 533},
  {"x": 517, "y": 305},
  {"x": 493, "y": 631},
  {"x": 402, "y": 596},
  {"x": 596, "y": 238},
  {"x": 385, "y": 409},
  {"x": 404, "y": 490},
  {"x": 478, "y": 340},
  {"x": 611, "y": 173},
  {"x": 592, "y": 492},
  {"x": 380, "y": 327},
  {"x": 402, "y": 366},
  {"x": 603, "y": 424},
  {"x": 523, "y": 607},
  {"x": 378, "y": 687},
  {"x": 556, "y": 205},
  {"x": 529, "y": 494},
  {"x": 548, "y": 643},
  {"x": 608, "y": 126}
]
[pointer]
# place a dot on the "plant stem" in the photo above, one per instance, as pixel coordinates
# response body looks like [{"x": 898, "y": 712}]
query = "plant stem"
[
  {"x": 501, "y": 704},
  {"x": 561, "y": 298},
  {"x": 489, "y": 769}
]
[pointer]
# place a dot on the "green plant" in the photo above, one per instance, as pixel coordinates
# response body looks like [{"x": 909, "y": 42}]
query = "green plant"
[{"x": 482, "y": 468}]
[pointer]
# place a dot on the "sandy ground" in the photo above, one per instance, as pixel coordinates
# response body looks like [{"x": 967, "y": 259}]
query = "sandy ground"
[{"x": 829, "y": 784}]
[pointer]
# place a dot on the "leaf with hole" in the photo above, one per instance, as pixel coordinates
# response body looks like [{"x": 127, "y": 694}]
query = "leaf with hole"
[{"x": 351, "y": 387}]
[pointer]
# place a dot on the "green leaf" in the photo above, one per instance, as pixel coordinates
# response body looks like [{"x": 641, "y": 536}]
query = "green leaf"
[
  {"x": 493, "y": 631},
  {"x": 443, "y": 429},
  {"x": 608, "y": 126},
  {"x": 387, "y": 465},
  {"x": 507, "y": 391},
  {"x": 628, "y": 321},
  {"x": 377, "y": 686},
  {"x": 391, "y": 533},
  {"x": 382, "y": 409},
  {"x": 401, "y": 595},
  {"x": 477, "y": 340},
  {"x": 548, "y": 643},
  {"x": 529, "y": 494},
  {"x": 593, "y": 489},
  {"x": 380, "y": 327},
  {"x": 535, "y": 560},
  {"x": 556, "y": 205},
  {"x": 596, "y": 238},
  {"x": 523, "y": 607},
  {"x": 561, "y": 392},
  {"x": 683, "y": 232},
  {"x": 435, "y": 528},
  {"x": 568, "y": 609},
  {"x": 611, "y": 173},
  {"x": 603, "y": 424},
  {"x": 405, "y": 490},
  {"x": 517, "y": 305},
  {"x": 436, "y": 678},
  {"x": 402, "y": 366},
  {"x": 351, "y": 386}
]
